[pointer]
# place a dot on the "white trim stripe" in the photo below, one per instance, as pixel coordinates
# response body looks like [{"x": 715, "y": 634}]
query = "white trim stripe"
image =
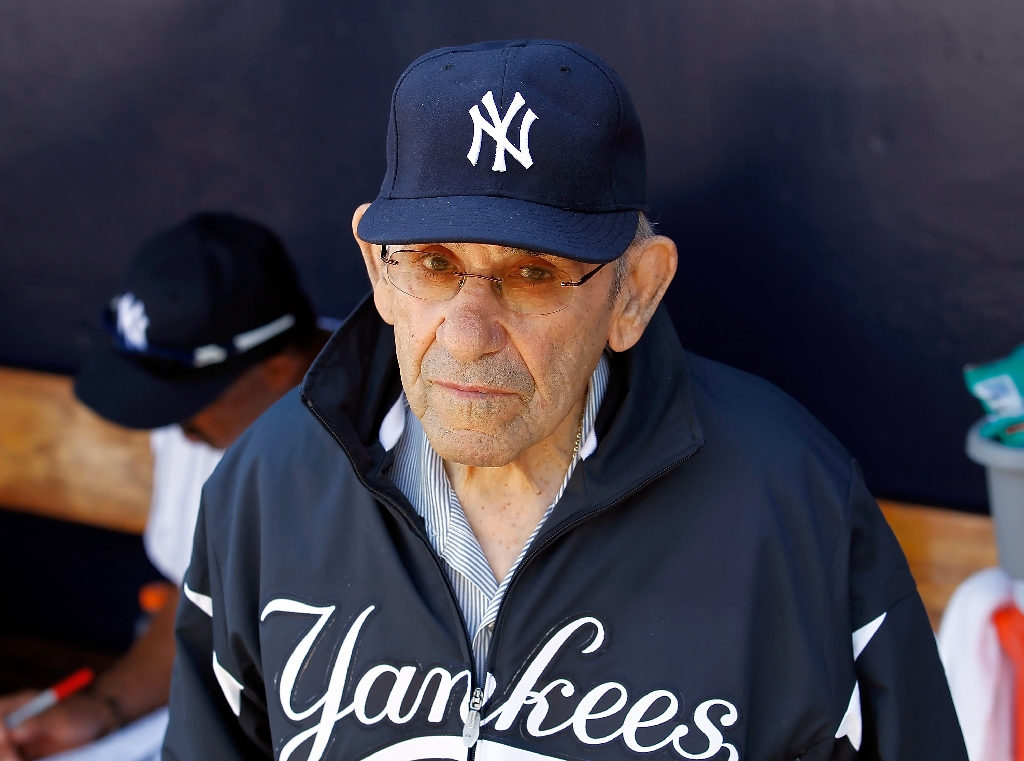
[
  {"x": 450, "y": 748},
  {"x": 230, "y": 686},
  {"x": 446, "y": 747},
  {"x": 256, "y": 336},
  {"x": 488, "y": 750},
  {"x": 863, "y": 635},
  {"x": 203, "y": 602},
  {"x": 393, "y": 425},
  {"x": 852, "y": 725}
]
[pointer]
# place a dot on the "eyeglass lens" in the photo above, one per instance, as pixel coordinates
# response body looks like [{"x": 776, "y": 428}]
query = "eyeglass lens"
[{"x": 532, "y": 285}]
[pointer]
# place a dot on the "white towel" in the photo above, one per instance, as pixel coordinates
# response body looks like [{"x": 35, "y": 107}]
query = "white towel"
[
  {"x": 139, "y": 741},
  {"x": 979, "y": 673}
]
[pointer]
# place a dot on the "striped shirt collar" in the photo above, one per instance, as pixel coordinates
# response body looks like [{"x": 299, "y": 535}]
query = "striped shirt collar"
[{"x": 418, "y": 471}]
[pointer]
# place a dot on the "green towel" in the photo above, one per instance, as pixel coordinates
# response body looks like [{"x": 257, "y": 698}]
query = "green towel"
[{"x": 998, "y": 385}]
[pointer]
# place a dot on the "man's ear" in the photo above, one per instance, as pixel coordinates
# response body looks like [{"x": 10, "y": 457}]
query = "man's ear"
[
  {"x": 284, "y": 370},
  {"x": 374, "y": 269},
  {"x": 650, "y": 267}
]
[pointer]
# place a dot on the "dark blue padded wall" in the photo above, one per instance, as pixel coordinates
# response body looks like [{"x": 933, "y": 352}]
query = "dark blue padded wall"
[{"x": 844, "y": 180}]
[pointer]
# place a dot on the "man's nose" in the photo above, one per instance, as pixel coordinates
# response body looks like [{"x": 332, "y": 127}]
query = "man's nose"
[{"x": 471, "y": 328}]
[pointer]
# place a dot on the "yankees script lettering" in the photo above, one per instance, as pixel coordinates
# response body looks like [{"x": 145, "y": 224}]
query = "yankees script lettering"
[{"x": 653, "y": 709}]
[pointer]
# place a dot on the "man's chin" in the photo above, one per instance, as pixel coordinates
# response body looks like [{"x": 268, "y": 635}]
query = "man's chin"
[
  {"x": 472, "y": 448},
  {"x": 475, "y": 459}
]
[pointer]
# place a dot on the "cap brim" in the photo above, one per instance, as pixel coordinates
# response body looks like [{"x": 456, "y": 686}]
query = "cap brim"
[
  {"x": 123, "y": 391},
  {"x": 585, "y": 237}
]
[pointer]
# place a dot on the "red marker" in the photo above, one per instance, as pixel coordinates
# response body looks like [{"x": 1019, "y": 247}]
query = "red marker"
[{"x": 48, "y": 698}]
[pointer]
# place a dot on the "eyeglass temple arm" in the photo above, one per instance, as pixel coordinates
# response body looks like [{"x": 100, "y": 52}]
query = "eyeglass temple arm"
[{"x": 585, "y": 278}]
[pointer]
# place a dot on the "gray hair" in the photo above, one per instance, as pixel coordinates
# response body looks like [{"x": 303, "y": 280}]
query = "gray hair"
[{"x": 644, "y": 232}]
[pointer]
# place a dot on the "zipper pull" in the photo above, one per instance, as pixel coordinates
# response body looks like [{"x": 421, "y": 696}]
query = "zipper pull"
[{"x": 471, "y": 731}]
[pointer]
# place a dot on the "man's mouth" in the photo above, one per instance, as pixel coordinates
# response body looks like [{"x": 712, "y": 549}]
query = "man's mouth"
[{"x": 471, "y": 391}]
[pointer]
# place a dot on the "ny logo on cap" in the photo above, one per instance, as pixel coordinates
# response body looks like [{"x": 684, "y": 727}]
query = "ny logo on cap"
[
  {"x": 132, "y": 321},
  {"x": 498, "y": 129}
]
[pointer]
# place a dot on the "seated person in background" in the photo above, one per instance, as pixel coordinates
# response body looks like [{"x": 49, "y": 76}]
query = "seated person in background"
[{"x": 210, "y": 329}]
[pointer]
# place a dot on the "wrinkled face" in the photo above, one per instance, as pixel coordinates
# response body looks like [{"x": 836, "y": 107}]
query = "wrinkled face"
[{"x": 486, "y": 382}]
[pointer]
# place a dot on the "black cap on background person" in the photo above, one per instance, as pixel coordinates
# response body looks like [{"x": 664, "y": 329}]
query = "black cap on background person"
[{"x": 200, "y": 304}]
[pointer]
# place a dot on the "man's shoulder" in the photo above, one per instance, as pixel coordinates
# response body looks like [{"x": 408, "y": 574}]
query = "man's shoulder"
[
  {"x": 753, "y": 423},
  {"x": 285, "y": 429},
  {"x": 285, "y": 449},
  {"x": 753, "y": 406},
  {"x": 768, "y": 474}
]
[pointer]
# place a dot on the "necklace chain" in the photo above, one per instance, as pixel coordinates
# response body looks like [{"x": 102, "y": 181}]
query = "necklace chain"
[{"x": 579, "y": 431}]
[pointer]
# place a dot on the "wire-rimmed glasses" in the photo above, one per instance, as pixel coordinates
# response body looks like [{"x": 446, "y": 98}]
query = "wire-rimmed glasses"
[{"x": 531, "y": 285}]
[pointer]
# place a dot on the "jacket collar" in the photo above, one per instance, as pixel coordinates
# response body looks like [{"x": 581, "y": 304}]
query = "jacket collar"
[{"x": 647, "y": 423}]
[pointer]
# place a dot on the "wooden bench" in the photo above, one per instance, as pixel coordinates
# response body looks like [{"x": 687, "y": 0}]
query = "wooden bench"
[
  {"x": 60, "y": 460},
  {"x": 943, "y": 548}
]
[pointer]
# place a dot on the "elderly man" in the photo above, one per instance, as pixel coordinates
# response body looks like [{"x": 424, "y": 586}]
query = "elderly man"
[{"x": 508, "y": 517}]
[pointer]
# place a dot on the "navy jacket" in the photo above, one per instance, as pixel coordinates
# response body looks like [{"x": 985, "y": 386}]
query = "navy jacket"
[{"x": 715, "y": 583}]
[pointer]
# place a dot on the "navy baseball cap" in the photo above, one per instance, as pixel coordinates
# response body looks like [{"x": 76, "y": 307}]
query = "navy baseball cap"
[
  {"x": 532, "y": 144},
  {"x": 200, "y": 304}
]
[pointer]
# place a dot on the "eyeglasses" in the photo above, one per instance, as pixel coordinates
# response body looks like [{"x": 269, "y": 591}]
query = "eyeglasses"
[{"x": 531, "y": 286}]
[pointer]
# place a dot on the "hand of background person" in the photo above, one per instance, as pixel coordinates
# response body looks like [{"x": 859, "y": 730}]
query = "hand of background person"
[
  {"x": 76, "y": 721},
  {"x": 138, "y": 683}
]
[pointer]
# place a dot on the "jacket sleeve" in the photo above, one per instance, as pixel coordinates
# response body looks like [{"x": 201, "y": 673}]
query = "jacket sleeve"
[
  {"x": 900, "y": 707},
  {"x": 213, "y": 713}
]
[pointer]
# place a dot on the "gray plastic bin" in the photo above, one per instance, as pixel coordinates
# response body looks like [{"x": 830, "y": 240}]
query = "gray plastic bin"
[{"x": 1004, "y": 467}]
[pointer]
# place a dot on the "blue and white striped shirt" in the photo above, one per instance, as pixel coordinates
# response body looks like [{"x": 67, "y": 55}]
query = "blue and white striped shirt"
[{"x": 418, "y": 471}]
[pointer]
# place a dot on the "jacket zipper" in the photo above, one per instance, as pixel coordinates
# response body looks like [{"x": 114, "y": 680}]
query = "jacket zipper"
[{"x": 471, "y": 728}]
